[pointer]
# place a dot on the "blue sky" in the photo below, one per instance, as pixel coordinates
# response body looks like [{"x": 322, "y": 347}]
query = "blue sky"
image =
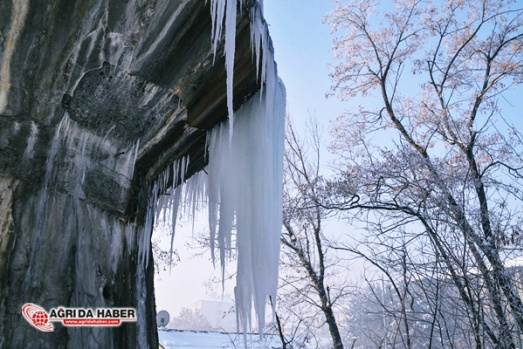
[{"x": 302, "y": 45}]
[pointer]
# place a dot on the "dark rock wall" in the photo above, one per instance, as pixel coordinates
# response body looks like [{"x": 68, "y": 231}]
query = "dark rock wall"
[{"x": 97, "y": 97}]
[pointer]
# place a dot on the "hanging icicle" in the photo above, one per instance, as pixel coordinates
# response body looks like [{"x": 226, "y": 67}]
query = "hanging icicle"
[
  {"x": 245, "y": 179},
  {"x": 220, "y": 10},
  {"x": 245, "y": 175},
  {"x": 242, "y": 184}
]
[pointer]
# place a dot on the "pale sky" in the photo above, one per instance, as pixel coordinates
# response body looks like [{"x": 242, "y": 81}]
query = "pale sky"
[{"x": 302, "y": 45}]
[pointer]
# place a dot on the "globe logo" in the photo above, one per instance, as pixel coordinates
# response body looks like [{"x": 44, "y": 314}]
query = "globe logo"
[
  {"x": 40, "y": 318},
  {"x": 37, "y": 317}
]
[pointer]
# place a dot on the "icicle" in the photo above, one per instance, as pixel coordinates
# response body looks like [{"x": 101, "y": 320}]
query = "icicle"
[
  {"x": 219, "y": 10},
  {"x": 135, "y": 156},
  {"x": 255, "y": 178},
  {"x": 242, "y": 184},
  {"x": 260, "y": 44},
  {"x": 217, "y": 13},
  {"x": 230, "y": 48},
  {"x": 144, "y": 244},
  {"x": 60, "y": 134},
  {"x": 174, "y": 210}
]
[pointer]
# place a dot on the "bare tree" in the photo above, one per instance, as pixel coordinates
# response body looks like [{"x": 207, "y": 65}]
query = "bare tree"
[
  {"x": 431, "y": 146},
  {"x": 309, "y": 269},
  {"x": 191, "y": 319},
  {"x": 409, "y": 299}
]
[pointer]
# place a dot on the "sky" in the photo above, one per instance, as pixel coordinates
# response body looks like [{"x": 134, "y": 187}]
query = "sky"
[{"x": 302, "y": 45}]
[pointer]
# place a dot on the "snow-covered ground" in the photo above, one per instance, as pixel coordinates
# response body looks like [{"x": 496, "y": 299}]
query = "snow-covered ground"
[{"x": 172, "y": 339}]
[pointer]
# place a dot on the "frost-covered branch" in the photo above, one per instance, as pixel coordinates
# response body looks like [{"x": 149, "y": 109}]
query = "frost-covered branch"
[{"x": 430, "y": 146}]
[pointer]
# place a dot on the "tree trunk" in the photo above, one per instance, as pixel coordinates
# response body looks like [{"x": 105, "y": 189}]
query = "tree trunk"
[{"x": 333, "y": 327}]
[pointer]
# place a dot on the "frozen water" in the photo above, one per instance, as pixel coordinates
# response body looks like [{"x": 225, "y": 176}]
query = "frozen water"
[
  {"x": 18, "y": 14},
  {"x": 230, "y": 48},
  {"x": 220, "y": 10},
  {"x": 210, "y": 340},
  {"x": 242, "y": 188},
  {"x": 242, "y": 184}
]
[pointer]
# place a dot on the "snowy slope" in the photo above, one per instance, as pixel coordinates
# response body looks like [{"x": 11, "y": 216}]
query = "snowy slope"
[{"x": 172, "y": 339}]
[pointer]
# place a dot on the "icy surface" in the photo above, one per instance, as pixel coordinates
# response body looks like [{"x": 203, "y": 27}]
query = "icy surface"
[
  {"x": 244, "y": 181},
  {"x": 211, "y": 340},
  {"x": 221, "y": 9},
  {"x": 19, "y": 12},
  {"x": 76, "y": 151},
  {"x": 242, "y": 189},
  {"x": 242, "y": 184}
]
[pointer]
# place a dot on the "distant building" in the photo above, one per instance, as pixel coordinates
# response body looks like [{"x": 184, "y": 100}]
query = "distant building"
[
  {"x": 514, "y": 268},
  {"x": 221, "y": 315}
]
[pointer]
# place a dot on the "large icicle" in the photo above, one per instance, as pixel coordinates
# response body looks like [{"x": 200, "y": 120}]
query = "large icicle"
[
  {"x": 230, "y": 48},
  {"x": 219, "y": 10},
  {"x": 248, "y": 178},
  {"x": 247, "y": 173},
  {"x": 242, "y": 185}
]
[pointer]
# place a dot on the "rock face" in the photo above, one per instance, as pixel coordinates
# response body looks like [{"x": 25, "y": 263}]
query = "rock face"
[{"x": 97, "y": 97}]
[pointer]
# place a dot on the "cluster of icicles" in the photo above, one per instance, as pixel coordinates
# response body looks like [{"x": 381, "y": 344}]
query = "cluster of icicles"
[{"x": 242, "y": 183}]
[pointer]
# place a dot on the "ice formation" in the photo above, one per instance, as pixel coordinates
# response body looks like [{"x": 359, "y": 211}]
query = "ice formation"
[
  {"x": 242, "y": 183},
  {"x": 226, "y": 9},
  {"x": 242, "y": 188},
  {"x": 219, "y": 10},
  {"x": 19, "y": 12},
  {"x": 245, "y": 174}
]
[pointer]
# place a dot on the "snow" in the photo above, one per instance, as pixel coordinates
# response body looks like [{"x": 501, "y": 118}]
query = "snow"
[
  {"x": 516, "y": 262},
  {"x": 171, "y": 339}
]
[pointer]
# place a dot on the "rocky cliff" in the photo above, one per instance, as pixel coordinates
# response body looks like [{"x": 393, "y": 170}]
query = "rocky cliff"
[{"x": 97, "y": 97}]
